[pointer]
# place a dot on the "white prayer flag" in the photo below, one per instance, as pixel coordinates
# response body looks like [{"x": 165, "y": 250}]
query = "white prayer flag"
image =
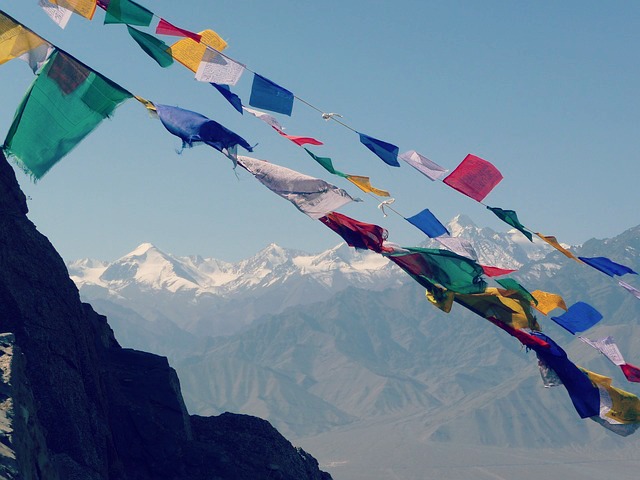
[
  {"x": 57, "y": 13},
  {"x": 37, "y": 56},
  {"x": 630, "y": 288},
  {"x": 310, "y": 195},
  {"x": 607, "y": 347},
  {"x": 265, "y": 117},
  {"x": 216, "y": 68},
  {"x": 425, "y": 166},
  {"x": 458, "y": 245}
]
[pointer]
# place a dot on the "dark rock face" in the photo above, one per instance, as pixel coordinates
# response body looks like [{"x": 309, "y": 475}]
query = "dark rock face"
[{"x": 75, "y": 405}]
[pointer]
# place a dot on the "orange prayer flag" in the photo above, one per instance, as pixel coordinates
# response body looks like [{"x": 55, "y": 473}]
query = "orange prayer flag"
[
  {"x": 547, "y": 301},
  {"x": 189, "y": 52},
  {"x": 553, "y": 241},
  {"x": 364, "y": 184}
]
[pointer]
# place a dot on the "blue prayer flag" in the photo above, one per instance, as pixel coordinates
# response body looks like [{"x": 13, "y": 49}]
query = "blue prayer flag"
[
  {"x": 193, "y": 127},
  {"x": 428, "y": 223},
  {"x": 579, "y": 317},
  {"x": 270, "y": 96},
  {"x": 231, "y": 97},
  {"x": 607, "y": 266},
  {"x": 386, "y": 151}
]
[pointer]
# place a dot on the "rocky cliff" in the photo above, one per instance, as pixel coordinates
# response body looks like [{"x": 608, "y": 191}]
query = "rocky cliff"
[{"x": 75, "y": 405}]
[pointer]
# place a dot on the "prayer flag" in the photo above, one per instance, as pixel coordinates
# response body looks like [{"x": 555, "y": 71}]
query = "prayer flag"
[
  {"x": 428, "y": 223},
  {"x": 545, "y": 301},
  {"x": 386, "y": 151},
  {"x": 231, "y": 97},
  {"x": 430, "y": 169},
  {"x": 37, "y": 57},
  {"x": 496, "y": 271},
  {"x": 454, "y": 272},
  {"x": 511, "y": 218},
  {"x": 324, "y": 161},
  {"x": 300, "y": 140},
  {"x": 59, "y": 15},
  {"x": 364, "y": 236},
  {"x": 189, "y": 52},
  {"x": 165, "y": 28},
  {"x": 364, "y": 184},
  {"x": 553, "y": 241},
  {"x": 217, "y": 68},
  {"x": 154, "y": 47},
  {"x": 549, "y": 377},
  {"x": 129, "y": 12},
  {"x": 440, "y": 298},
  {"x": 265, "y": 117},
  {"x": 631, "y": 372},
  {"x": 474, "y": 177},
  {"x": 607, "y": 266},
  {"x": 270, "y": 96},
  {"x": 607, "y": 347},
  {"x": 458, "y": 245},
  {"x": 579, "y": 317},
  {"x": 311, "y": 196},
  {"x": 193, "y": 127},
  {"x": 521, "y": 335},
  {"x": 498, "y": 304},
  {"x": 620, "y": 406},
  {"x": 630, "y": 288},
  {"x": 84, "y": 8},
  {"x": 511, "y": 284},
  {"x": 16, "y": 40},
  {"x": 64, "y": 104}
]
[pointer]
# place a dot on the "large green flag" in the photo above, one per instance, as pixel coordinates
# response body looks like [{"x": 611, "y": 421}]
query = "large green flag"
[
  {"x": 129, "y": 12},
  {"x": 454, "y": 272},
  {"x": 63, "y": 105}
]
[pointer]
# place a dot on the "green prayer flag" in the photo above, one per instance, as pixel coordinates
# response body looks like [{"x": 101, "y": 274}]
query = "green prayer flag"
[
  {"x": 454, "y": 272},
  {"x": 511, "y": 284},
  {"x": 154, "y": 47},
  {"x": 127, "y": 11},
  {"x": 510, "y": 217},
  {"x": 63, "y": 105},
  {"x": 327, "y": 164}
]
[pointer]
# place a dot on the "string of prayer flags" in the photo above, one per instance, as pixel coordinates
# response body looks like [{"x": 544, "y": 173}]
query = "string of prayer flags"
[
  {"x": 511, "y": 218},
  {"x": 360, "y": 235},
  {"x": 502, "y": 305},
  {"x": 546, "y": 302},
  {"x": 270, "y": 96},
  {"x": 496, "y": 271},
  {"x": 15, "y": 40},
  {"x": 84, "y": 8},
  {"x": 231, "y": 97},
  {"x": 217, "y": 68},
  {"x": 579, "y": 317},
  {"x": 428, "y": 223},
  {"x": 474, "y": 177},
  {"x": 152, "y": 46},
  {"x": 630, "y": 288},
  {"x": 166, "y": 28},
  {"x": 387, "y": 152},
  {"x": 193, "y": 128},
  {"x": 59, "y": 15},
  {"x": 553, "y": 241},
  {"x": 189, "y": 52},
  {"x": 64, "y": 104},
  {"x": 129, "y": 12},
  {"x": 312, "y": 196},
  {"x": 430, "y": 169},
  {"x": 511, "y": 284},
  {"x": 607, "y": 266},
  {"x": 454, "y": 272}
]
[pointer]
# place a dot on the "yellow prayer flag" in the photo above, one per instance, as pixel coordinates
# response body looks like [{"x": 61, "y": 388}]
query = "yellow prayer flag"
[
  {"x": 445, "y": 303},
  {"x": 189, "y": 52},
  {"x": 625, "y": 406},
  {"x": 15, "y": 40},
  {"x": 547, "y": 301},
  {"x": 553, "y": 241},
  {"x": 364, "y": 184},
  {"x": 147, "y": 103},
  {"x": 85, "y": 8},
  {"x": 493, "y": 302}
]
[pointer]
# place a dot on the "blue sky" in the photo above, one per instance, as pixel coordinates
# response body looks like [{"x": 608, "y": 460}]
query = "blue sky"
[{"x": 546, "y": 91}]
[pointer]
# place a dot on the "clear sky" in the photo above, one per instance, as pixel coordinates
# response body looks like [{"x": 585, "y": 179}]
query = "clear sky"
[{"x": 546, "y": 91}]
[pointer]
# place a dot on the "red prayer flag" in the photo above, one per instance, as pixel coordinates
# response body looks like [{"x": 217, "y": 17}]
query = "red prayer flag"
[
  {"x": 496, "y": 271},
  {"x": 631, "y": 372},
  {"x": 474, "y": 177},
  {"x": 525, "y": 338},
  {"x": 357, "y": 234},
  {"x": 299, "y": 140},
  {"x": 165, "y": 28}
]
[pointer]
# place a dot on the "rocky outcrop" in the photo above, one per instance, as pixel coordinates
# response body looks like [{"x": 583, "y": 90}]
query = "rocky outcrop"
[{"x": 75, "y": 405}]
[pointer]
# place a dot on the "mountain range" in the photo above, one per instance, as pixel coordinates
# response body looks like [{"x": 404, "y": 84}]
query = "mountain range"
[{"x": 341, "y": 352}]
